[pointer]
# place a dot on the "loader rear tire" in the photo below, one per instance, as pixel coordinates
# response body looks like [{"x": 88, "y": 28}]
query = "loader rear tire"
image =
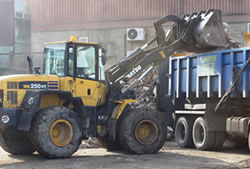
[
  {"x": 16, "y": 143},
  {"x": 203, "y": 139},
  {"x": 183, "y": 133},
  {"x": 142, "y": 131},
  {"x": 56, "y": 132}
]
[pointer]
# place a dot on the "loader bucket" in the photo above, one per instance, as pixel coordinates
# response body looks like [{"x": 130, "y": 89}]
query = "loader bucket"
[{"x": 201, "y": 32}]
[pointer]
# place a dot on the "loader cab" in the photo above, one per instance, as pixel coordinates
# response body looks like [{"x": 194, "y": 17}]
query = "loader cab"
[{"x": 74, "y": 59}]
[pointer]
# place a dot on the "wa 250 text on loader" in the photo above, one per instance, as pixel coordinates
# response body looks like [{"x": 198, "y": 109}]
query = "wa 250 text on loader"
[{"x": 74, "y": 99}]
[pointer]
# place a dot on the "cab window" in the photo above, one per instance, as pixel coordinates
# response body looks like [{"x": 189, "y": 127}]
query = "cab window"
[
  {"x": 86, "y": 62},
  {"x": 101, "y": 67},
  {"x": 54, "y": 59}
]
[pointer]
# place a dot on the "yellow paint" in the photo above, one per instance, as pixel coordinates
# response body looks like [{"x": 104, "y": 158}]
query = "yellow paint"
[
  {"x": 89, "y": 91},
  {"x": 26, "y": 86},
  {"x": 146, "y": 132},
  {"x": 247, "y": 38},
  {"x": 99, "y": 129},
  {"x": 49, "y": 100},
  {"x": 61, "y": 132},
  {"x": 123, "y": 104},
  {"x": 21, "y": 92},
  {"x": 163, "y": 55},
  {"x": 207, "y": 59},
  {"x": 73, "y": 38}
]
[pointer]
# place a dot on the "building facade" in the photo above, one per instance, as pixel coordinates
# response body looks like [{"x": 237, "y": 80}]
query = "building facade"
[
  {"x": 15, "y": 36},
  {"x": 107, "y": 21}
]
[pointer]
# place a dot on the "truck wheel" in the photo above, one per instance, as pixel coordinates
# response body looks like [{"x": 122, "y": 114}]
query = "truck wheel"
[
  {"x": 203, "y": 140},
  {"x": 219, "y": 140},
  {"x": 142, "y": 131},
  {"x": 183, "y": 133},
  {"x": 56, "y": 132},
  {"x": 16, "y": 143}
]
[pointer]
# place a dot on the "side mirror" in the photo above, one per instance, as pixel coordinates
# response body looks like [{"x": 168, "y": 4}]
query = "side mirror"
[{"x": 104, "y": 57}]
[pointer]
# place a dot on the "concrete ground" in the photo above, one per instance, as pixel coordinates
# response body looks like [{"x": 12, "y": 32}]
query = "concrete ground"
[{"x": 169, "y": 157}]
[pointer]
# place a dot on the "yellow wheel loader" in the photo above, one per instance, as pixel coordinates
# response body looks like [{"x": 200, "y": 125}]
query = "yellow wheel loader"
[{"x": 74, "y": 99}]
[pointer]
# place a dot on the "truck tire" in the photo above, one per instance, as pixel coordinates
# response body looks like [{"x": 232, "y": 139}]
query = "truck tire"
[
  {"x": 16, "y": 143},
  {"x": 203, "y": 140},
  {"x": 183, "y": 133},
  {"x": 142, "y": 131},
  {"x": 56, "y": 132},
  {"x": 219, "y": 140}
]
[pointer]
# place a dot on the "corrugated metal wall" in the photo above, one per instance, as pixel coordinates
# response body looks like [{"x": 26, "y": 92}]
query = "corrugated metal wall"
[
  {"x": 52, "y": 12},
  {"x": 66, "y": 11},
  {"x": 228, "y": 7}
]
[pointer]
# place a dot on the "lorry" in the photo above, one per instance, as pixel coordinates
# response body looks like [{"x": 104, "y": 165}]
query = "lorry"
[
  {"x": 74, "y": 99},
  {"x": 208, "y": 95}
]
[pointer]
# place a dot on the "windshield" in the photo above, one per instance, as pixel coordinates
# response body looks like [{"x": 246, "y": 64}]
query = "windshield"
[{"x": 54, "y": 59}]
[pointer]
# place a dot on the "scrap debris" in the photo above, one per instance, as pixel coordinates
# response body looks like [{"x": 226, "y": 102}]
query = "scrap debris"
[{"x": 146, "y": 90}]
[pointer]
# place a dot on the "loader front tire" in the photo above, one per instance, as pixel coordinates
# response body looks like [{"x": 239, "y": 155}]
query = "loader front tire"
[
  {"x": 16, "y": 143},
  {"x": 142, "y": 131},
  {"x": 56, "y": 132}
]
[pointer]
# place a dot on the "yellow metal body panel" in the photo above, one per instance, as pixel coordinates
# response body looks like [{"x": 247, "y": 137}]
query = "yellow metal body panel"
[
  {"x": 91, "y": 92},
  {"x": 122, "y": 104},
  {"x": 4, "y": 80},
  {"x": 50, "y": 100}
]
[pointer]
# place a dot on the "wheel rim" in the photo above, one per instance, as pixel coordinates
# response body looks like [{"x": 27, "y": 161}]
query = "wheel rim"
[
  {"x": 181, "y": 133},
  {"x": 199, "y": 134},
  {"x": 146, "y": 132},
  {"x": 61, "y": 132}
]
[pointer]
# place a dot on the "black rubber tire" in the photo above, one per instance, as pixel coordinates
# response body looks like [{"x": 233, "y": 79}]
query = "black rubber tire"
[
  {"x": 127, "y": 130},
  {"x": 16, "y": 143},
  {"x": 219, "y": 140},
  {"x": 40, "y": 132},
  {"x": 114, "y": 145},
  {"x": 248, "y": 140},
  {"x": 183, "y": 133},
  {"x": 203, "y": 140},
  {"x": 110, "y": 145}
]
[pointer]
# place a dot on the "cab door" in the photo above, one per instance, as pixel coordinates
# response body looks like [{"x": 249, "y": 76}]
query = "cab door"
[{"x": 85, "y": 77}]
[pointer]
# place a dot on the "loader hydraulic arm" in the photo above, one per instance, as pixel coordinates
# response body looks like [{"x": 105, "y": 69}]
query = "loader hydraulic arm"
[{"x": 198, "y": 32}]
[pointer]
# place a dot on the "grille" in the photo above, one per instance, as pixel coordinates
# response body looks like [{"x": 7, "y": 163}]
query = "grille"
[
  {"x": 12, "y": 85},
  {"x": 12, "y": 97}
]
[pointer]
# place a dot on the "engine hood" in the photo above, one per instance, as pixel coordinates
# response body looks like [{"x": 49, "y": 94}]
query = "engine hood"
[{"x": 29, "y": 81}]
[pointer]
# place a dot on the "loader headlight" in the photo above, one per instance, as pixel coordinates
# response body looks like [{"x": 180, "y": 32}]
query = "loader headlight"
[{"x": 31, "y": 100}]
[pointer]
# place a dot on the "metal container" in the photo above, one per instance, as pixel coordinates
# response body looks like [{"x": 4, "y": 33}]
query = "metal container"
[{"x": 209, "y": 75}]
